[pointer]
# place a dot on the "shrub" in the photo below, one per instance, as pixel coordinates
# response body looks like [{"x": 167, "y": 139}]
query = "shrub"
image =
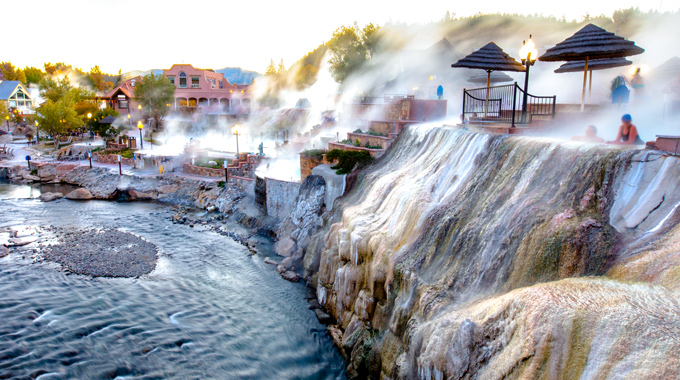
[
  {"x": 221, "y": 184},
  {"x": 349, "y": 160},
  {"x": 314, "y": 153},
  {"x": 358, "y": 131}
]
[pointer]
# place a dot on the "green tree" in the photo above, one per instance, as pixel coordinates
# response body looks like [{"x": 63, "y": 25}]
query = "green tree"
[
  {"x": 349, "y": 160},
  {"x": 103, "y": 129},
  {"x": 65, "y": 107},
  {"x": 9, "y": 72},
  {"x": 281, "y": 69},
  {"x": 271, "y": 69},
  {"x": 97, "y": 78},
  {"x": 154, "y": 93},
  {"x": 351, "y": 49},
  {"x": 33, "y": 75},
  {"x": 4, "y": 112}
]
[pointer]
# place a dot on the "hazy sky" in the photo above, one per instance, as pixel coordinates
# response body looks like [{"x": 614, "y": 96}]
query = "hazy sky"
[{"x": 145, "y": 34}]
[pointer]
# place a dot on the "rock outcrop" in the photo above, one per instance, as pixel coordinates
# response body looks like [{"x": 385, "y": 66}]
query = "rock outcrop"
[
  {"x": 461, "y": 256},
  {"x": 49, "y": 197},
  {"x": 296, "y": 230}
]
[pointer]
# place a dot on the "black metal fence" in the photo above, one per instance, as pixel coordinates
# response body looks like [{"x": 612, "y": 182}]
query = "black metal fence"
[{"x": 505, "y": 104}]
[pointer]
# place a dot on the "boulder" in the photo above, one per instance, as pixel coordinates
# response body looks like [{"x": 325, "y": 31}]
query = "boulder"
[
  {"x": 270, "y": 261},
  {"x": 134, "y": 194},
  {"x": 285, "y": 247},
  {"x": 79, "y": 194},
  {"x": 18, "y": 242},
  {"x": 49, "y": 197},
  {"x": 3, "y": 251},
  {"x": 33, "y": 178},
  {"x": 290, "y": 276},
  {"x": 325, "y": 318}
]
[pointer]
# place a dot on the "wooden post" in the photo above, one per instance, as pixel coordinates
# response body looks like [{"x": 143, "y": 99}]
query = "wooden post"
[
  {"x": 89, "y": 154},
  {"x": 120, "y": 165},
  {"x": 583, "y": 93}
]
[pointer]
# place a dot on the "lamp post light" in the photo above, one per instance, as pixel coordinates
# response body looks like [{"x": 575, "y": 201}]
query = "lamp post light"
[
  {"x": 7, "y": 119},
  {"x": 129, "y": 125},
  {"x": 528, "y": 55},
  {"x": 141, "y": 139},
  {"x": 37, "y": 132},
  {"x": 237, "y": 133}
]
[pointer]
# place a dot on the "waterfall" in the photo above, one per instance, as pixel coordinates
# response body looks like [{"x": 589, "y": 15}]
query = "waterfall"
[{"x": 454, "y": 226}]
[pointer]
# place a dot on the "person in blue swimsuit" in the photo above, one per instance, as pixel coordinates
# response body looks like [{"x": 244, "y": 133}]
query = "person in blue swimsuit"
[{"x": 628, "y": 133}]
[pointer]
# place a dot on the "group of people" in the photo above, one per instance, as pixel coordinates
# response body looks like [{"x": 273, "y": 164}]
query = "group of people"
[{"x": 627, "y": 134}]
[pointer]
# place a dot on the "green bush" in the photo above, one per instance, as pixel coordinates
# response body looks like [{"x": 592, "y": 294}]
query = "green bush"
[
  {"x": 358, "y": 131},
  {"x": 203, "y": 162},
  {"x": 373, "y": 133},
  {"x": 314, "y": 153},
  {"x": 221, "y": 184},
  {"x": 349, "y": 160},
  {"x": 369, "y": 146},
  {"x": 34, "y": 172}
]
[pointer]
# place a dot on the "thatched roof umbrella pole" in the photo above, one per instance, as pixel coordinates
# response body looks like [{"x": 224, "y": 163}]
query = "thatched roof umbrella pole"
[
  {"x": 591, "y": 42},
  {"x": 595, "y": 64},
  {"x": 489, "y": 58}
]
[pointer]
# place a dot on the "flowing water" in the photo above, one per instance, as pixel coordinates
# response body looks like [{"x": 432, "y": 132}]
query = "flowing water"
[{"x": 208, "y": 311}]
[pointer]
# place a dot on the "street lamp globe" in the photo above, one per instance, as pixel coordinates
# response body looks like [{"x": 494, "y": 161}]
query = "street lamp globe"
[
  {"x": 528, "y": 52},
  {"x": 140, "y": 125},
  {"x": 89, "y": 115},
  {"x": 128, "y": 116},
  {"x": 139, "y": 107},
  {"x": 236, "y": 129}
]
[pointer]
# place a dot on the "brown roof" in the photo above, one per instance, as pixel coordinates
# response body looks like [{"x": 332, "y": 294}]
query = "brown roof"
[
  {"x": 591, "y": 42},
  {"x": 126, "y": 88},
  {"x": 490, "y": 58}
]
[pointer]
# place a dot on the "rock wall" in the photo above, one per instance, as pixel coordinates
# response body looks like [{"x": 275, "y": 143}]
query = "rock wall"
[
  {"x": 462, "y": 255},
  {"x": 112, "y": 159},
  {"x": 281, "y": 197}
]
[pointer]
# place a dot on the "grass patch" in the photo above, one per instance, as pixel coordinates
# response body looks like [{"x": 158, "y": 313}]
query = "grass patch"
[{"x": 204, "y": 162}]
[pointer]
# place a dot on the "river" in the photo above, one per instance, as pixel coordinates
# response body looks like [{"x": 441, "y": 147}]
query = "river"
[{"x": 208, "y": 311}]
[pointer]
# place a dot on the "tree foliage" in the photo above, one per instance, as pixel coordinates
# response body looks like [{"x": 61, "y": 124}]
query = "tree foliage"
[
  {"x": 349, "y": 160},
  {"x": 9, "y": 72},
  {"x": 102, "y": 129},
  {"x": 33, "y": 75},
  {"x": 154, "y": 93},
  {"x": 65, "y": 107},
  {"x": 351, "y": 49},
  {"x": 4, "y": 111}
]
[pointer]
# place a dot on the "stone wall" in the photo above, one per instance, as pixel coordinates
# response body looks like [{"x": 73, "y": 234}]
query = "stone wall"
[
  {"x": 384, "y": 142},
  {"x": 187, "y": 168},
  {"x": 373, "y": 152},
  {"x": 112, "y": 159},
  {"x": 307, "y": 163},
  {"x": 280, "y": 197}
]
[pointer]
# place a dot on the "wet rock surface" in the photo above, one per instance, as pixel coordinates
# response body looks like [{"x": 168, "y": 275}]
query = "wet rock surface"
[
  {"x": 49, "y": 197},
  {"x": 101, "y": 252}
]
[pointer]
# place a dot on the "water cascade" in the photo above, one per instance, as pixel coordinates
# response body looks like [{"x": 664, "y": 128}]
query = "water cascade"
[{"x": 463, "y": 255}]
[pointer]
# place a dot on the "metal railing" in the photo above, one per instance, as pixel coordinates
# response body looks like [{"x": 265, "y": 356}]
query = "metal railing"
[{"x": 504, "y": 104}]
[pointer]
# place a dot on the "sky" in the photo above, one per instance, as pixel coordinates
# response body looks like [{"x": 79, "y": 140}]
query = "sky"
[{"x": 149, "y": 34}]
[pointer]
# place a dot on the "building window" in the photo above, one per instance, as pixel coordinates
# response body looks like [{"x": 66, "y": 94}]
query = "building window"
[
  {"x": 192, "y": 102},
  {"x": 182, "y": 102},
  {"x": 182, "y": 80},
  {"x": 172, "y": 79},
  {"x": 132, "y": 83},
  {"x": 122, "y": 101},
  {"x": 221, "y": 86},
  {"x": 195, "y": 82}
]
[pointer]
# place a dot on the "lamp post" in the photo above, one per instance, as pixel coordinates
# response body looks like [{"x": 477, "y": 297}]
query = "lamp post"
[
  {"x": 129, "y": 125},
  {"x": 89, "y": 116},
  {"x": 7, "y": 119},
  {"x": 141, "y": 139},
  {"x": 528, "y": 54},
  {"x": 237, "y": 133},
  {"x": 37, "y": 132}
]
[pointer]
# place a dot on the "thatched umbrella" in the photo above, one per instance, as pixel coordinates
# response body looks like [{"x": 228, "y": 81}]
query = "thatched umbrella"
[
  {"x": 495, "y": 77},
  {"x": 489, "y": 58},
  {"x": 591, "y": 42},
  {"x": 595, "y": 64},
  {"x": 668, "y": 69}
]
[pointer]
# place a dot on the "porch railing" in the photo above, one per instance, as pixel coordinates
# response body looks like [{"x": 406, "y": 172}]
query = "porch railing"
[{"x": 504, "y": 104}]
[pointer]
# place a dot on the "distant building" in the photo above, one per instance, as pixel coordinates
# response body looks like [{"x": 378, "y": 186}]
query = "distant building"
[
  {"x": 207, "y": 89},
  {"x": 17, "y": 96},
  {"x": 121, "y": 98}
]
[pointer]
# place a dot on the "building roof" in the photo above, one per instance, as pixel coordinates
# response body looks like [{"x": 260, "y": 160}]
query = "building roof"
[
  {"x": 595, "y": 64},
  {"x": 7, "y": 88},
  {"x": 126, "y": 88}
]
